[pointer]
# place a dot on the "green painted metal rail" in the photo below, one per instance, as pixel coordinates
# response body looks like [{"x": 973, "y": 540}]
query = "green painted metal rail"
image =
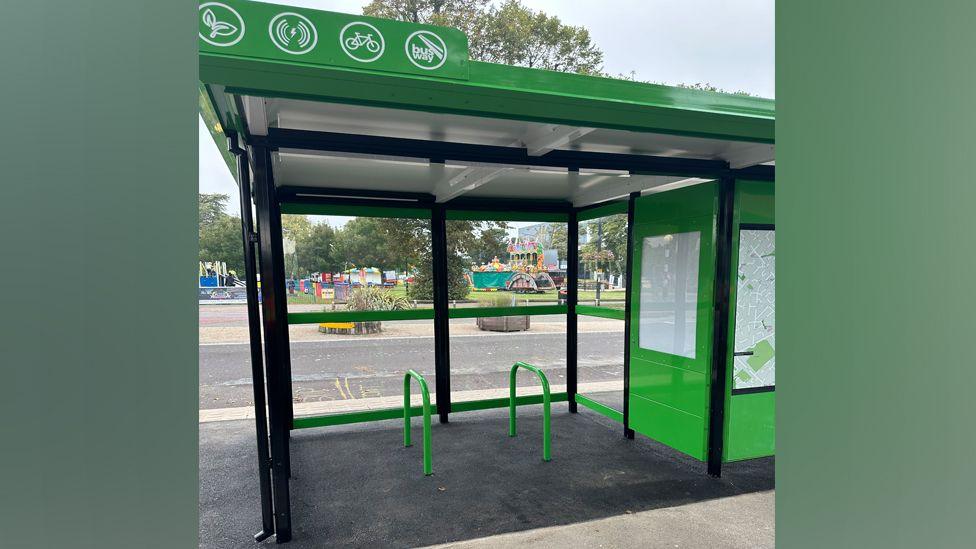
[
  {"x": 360, "y": 316},
  {"x": 546, "y": 425},
  {"x": 522, "y": 310},
  {"x": 425, "y": 393},
  {"x": 602, "y": 312},
  {"x": 600, "y": 408},
  {"x": 366, "y": 416}
]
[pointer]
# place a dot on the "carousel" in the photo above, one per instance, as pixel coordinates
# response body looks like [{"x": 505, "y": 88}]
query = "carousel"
[{"x": 525, "y": 272}]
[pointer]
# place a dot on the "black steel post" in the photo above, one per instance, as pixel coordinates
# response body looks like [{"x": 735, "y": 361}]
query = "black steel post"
[
  {"x": 628, "y": 307},
  {"x": 442, "y": 344},
  {"x": 249, "y": 239},
  {"x": 720, "y": 336},
  {"x": 572, "y": 281},
  {"x": 276, "y": 337}
]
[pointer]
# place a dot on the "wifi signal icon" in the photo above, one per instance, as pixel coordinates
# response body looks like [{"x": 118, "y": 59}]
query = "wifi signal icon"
[{"x": 293, "y": 33}]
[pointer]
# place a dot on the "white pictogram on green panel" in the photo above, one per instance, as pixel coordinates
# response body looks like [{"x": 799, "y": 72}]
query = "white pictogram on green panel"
[
  {"x": 293, "y": 33},
  {"x": 755, "y": 310},
  {"x": 220, "y": 25},
  {"x": 362, "y": 41},
  {"x": 426, "y": 50}
]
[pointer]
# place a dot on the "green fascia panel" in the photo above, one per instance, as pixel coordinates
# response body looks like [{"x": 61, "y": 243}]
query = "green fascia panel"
[
  {"x": 490, "y": 403},
  {"x": 354, "y": 211},
  {"x": 359, "y": 316},
  {"x": 750, "y": 419},
  {"x": 288, "y": 34},
  {"x": 683, "y": 432},
  {"x": 499, "y": 91},
  {"x": 602, "y": 312},
  {"x": 677, "y": 388},
  {"x": 527, "y": 310},
  {"x": 484, "y": 215},
  {"x": 600, "y": 408},
  {"x": 676, "y": 207},
  {"x": 612, "y": 208},
  {"x": 752, "y": 426}
]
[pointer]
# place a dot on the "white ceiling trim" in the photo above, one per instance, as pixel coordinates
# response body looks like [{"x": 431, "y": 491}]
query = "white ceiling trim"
[
  {"x": 544, "y": 138},
  {"x": 620, "y": 186},
  {"x": 255, "y": 109},
  {"x": 750, "y": 156}
]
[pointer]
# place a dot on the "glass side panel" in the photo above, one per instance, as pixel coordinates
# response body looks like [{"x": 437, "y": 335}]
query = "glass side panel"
[
  {"x": 603, "y": 261},
  {"x": 755, "y": 311},
  {"x": 669, "y": 293}
]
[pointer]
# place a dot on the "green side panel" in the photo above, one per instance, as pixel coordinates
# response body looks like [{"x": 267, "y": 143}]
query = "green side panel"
[
  {"x": 755, "y": 202},
  {"x": 669, "y": 392},
  {"x": 681, "y": 431},
  {"x": 359, "y": 316},
  {"x": 528, "y": 310},
  {"x": 354, "y": 211},
  {"x": 678, "y": 388},
  {"x": 753, "y": 426},
  {"x": 484, "y": 215},
  {"x": 600, "y": 408},
  {"x": 750, "y": 419},
  {"x": 488, "y": 279},
  {"x": 613, "y": 208},
  {"x": 288, "y": 34},
  {"x": 602, "y": 312}
]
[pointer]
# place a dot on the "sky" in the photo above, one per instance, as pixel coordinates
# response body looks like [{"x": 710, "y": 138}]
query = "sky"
[{"x": 726, "y": 43}]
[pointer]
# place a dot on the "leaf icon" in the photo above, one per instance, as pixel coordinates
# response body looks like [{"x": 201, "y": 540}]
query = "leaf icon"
[
  {"x": 209, "y": 18},
  {"x": 220, "y": 28}
]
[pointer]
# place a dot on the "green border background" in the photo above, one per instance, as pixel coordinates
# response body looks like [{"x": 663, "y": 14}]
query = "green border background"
[
  {"x": 99, "y": 400},
  {"x": 875, "y": 200}
]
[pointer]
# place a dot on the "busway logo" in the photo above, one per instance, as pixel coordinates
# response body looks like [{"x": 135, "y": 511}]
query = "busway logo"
[
  {"x": 426, "y": 50},
  {"x": 220, "y": 24},
  {"x": 293, "y": 33}
]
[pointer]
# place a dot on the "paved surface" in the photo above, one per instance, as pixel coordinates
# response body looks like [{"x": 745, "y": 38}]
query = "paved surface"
[
  {"x": 356, "y": 486},
  {"x": 349, "y": 368}
]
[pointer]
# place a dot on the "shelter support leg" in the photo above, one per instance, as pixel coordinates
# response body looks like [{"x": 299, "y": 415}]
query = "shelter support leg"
[
  {"x": 628, "y": 307},
  {"x": 442, "y": 349},
  {"x": 572, "y": 283},
  {"x": 249, "y": 239},
  {"x": 723, "y": 276},
  {"x": 276, "y": 337}
]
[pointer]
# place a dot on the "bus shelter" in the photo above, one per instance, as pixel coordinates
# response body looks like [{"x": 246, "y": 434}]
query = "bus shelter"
[{"x": 335, "y": 114}]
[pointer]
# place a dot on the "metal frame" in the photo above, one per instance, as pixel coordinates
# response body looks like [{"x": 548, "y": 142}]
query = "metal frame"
[
  {"x": 298, "y": 200},
  {"x": 720, "y": 325}
]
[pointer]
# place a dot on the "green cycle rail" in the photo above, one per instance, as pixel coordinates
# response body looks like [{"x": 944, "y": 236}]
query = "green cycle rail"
[
  {"x": 546, "y": 401},
  {"x": 428, "y": 470}
]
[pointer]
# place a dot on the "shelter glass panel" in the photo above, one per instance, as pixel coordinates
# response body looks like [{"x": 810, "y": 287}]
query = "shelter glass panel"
[
  {"x": 669, "y": 293},
  {"x": 603, "y": 261}
]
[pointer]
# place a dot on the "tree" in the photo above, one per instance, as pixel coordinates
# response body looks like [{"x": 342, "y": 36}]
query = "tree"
[
  {"x": 212, "y": 207},
  {"x": 511, "y": 33},
  {"x": 220, "y": 233},
  {"x": 314, "y": 252},
  {"x": 491, "y": 241},
  {"x": 362, "y": 242}
]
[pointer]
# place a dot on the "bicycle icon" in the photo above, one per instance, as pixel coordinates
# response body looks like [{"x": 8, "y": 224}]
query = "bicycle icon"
[{"x": 362, "y": 42}]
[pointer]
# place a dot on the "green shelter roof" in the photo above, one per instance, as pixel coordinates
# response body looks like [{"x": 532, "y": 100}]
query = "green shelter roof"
[{"x": 304, "y": 70}]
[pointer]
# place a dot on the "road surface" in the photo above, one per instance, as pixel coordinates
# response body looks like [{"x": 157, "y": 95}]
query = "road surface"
[{"x": 356, "y": 369}]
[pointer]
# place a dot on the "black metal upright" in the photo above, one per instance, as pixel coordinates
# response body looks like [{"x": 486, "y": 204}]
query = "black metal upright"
[
  {"x": 628, "y": 307},
  {"x": 249, "y": 239},
  {"x": 275, "y": 336},
  {"x": 572, "y": 283},
  {"x": 442, "y": 344},
  {"x": 720, "y": 336}
]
